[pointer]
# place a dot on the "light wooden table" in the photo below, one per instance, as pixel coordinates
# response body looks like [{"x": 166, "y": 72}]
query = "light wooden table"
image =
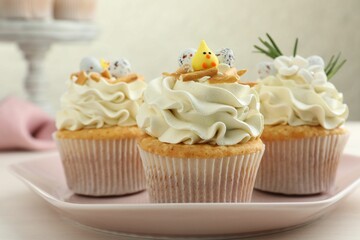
[{"x": 24, "y": 215}]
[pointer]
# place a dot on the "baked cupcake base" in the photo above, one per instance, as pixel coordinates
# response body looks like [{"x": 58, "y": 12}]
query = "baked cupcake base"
[
  {"x": 179, "y": 173},
  {"x": 300, "y": 160},
  {"x": 101, "y": 162}
]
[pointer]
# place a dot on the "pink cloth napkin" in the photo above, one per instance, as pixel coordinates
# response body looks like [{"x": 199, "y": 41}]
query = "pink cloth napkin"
[{"x": 24, "y": 126}]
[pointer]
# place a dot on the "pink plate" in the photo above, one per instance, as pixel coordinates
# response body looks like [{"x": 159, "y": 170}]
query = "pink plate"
[{"x": 134, "y": 215}]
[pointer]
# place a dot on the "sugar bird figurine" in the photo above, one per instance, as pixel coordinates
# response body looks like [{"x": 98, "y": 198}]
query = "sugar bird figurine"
[{"x": 204, "y": 58}]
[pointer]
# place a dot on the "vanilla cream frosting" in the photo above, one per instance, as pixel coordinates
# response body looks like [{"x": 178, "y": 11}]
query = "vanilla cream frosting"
[
  {"x": 99, "y": 104},
  {"x": 299, "y": 94},
  {"x": 198, "y": 112}
]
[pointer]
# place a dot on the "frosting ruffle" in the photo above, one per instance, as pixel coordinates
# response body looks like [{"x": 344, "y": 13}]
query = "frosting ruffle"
[
  {"x": 299, "y": 94},
  {"x": 100, "y": 104},
  {"x": 198, "y": 112}
]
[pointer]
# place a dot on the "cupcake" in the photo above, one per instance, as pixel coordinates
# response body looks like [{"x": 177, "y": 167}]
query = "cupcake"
[
  {"x": 303, "y": 116},
  {"x": 203, "y": 128},
  {"x": 97, "y": 129},
  {"x": 79, "y": 10},
  {"x": 26, "y": 9}
]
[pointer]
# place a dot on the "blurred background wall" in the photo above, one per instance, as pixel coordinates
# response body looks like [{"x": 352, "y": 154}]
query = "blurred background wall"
[{"x": 151, "y": 34}]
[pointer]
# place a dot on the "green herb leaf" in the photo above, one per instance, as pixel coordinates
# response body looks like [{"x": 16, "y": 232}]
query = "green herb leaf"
[
  {"x": 274, "y": 44},
  {"x": 263, "y": 51},
  {"x": 295, "y": 47},
  {"x": 333, "y": 64},
  {"x": 332, "y": 67},
  {"x": 270, "y": 48},
  {"x": 328, "y": 65}
]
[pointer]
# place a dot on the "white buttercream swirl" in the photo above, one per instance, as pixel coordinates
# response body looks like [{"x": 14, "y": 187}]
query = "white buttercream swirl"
[
  {"x": 299, "y": 94},
  {"x": 198, "y": 112},
  {"x": 100, "y": 104}
]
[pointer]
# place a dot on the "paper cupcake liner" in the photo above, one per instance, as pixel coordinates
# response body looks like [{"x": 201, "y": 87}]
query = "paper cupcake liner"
[
  {"x": 75, "y": 10},
  {"x": 184, "y": 180},
  {"x": 26, "y": 9},
  {"x": 102, "y": 167},
  {"x": 303, "y": 166}
]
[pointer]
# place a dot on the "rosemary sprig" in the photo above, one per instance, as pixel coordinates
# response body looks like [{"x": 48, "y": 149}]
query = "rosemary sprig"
[
  {"x": 295, "y": 47},
  {"x": 274, "y": 44},
  {"x": 271, "y": 49},
  {"x": 333, "y": 66}
]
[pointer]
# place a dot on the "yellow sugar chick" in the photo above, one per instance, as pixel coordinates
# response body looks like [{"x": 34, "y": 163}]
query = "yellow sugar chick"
[
  {"x": 104, "y": 64},
  {"x": 204, "y": 58}
]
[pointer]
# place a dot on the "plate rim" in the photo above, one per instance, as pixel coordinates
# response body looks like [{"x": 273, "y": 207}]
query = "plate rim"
[{"x": 14, "y": 169}]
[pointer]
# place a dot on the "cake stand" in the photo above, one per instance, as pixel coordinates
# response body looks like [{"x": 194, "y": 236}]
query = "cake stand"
[{"x": 34, "y": 39}]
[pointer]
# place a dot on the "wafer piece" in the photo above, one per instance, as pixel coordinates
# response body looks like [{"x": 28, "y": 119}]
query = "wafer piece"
[
  {"x": 177, "y": 73},
  {"x": 251, "y": 84},
  {"x": 167, "y": 74},
  {"x": 80, "y": 77},
  {"x": 223, "y": 79},
  {"x": 231, "y": 71},
  {"x": 241, "y": 72},
  {"x": 181, "y": 70},
  {"x": 95, "y": 76},
  {"x": 140, "y": 77},
  {"x": 199, "y": 74},
  {"x": 128, "y": 78},
  {"x": 106, "y": 74}
]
